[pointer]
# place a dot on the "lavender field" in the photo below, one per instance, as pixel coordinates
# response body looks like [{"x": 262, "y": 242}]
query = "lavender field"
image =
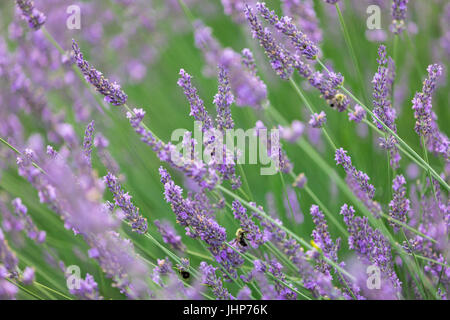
[{"x": 224, "y": 150}]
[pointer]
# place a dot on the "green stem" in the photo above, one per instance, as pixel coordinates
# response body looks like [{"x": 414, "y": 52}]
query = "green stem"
[
  {"x": 251, "y": 258},
  {"x": 52, "y": 290},
  {"x": 292, "y": 234},
  {"x": 25, "y": 289},
  {"x": 326, "y": 211},
  {"x": 311, "y": 109},
  {"x": 186, "y": 11},
  {"x": 19, "y": 153},
  {"x": 249, "y": 194},
  {"x": 425, "y": 153},
  {"x": 348, "y": 41},
  {"x": 283, "y": 185},
  {"x": 417, "y": 158}
]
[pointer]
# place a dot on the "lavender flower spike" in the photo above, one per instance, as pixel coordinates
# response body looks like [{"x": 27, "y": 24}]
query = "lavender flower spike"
[
  {"x": 123, "y": 201},
  {"x": 382, "y": 84},
  {"x": 198, "y": 110},
  {"x": 87, "y": 290},
  {"x": 169, "y": 235},
  {"x": 399, "y": 207},
  {"x": 382, "y": 105},
  {"x": 280, "y": 59},
  {"x": 284, "y": 25},
  {"x": 87, "y": 142},
  {"x": 426, "y": 124},
  {"x": 112, "y": 91},
  {"x": 358, "y": 182},
  {"x": 210, "y": 279},
  {"x": 35, "y": 18},
  {"x": 323, "y": 239},
  {"x": 357, "y": 115},
  {"x": 304, "y": 17},
  {"x": 32, "y": 231},
  {"x": 252, "y": 233},
  {"x": 371, "y": 245},
  {"x": 223, "y": 100},
  {"x": 398, "y": 10},
  {"x": 318, "y": 119},
  {"x": 7, "y": 256}
]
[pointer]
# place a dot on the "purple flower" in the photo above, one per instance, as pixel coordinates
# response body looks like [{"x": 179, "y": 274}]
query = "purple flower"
[
  {"x": 302, "y": 11},
  {"x": 244, "y": 294},
  {"x": 273, "y": 148},
  {"x": 426, "y": 125},
  {"x": 235, "y": 8},
  {"x": 71, "y": 190},
  {"x": 399, "y": 206},
  {"x": 398, "y": 11},
  {"x": 332, "y": 1},
  {"x": 300, "y": 181},
  {"x": 318, "y": 120},
  {"x": 198, "y": 110},
  {"x": 371, "y": 245},
  {"x": 366, "y": 281},
  {"x": 250, "y": 231},
  {"x": 327, "y": 83},
  {"x": 205, "y": 177},
  {"x": 123, "y": 201},
  {"x": 199, "y": 224},
  {"x": 32, "y": 231},
  {"x": 358, "y": 114},
  {"x": 35, "y": 18},
  {"x": 445, "y": 26},
  {"x": 7, "y": 256},
  {"x": 119, "y": 261},
  {"x": 284, "y": 63},
  {"x": 8, "y": 290},
  {"x": 279, "y": 57},
  {"x": 382, "y": 85},
  {"x": 223, "y": 100},
  {"x": 247, "y": 87},
  {"x": 112, "y": 91},
  {"x": 284, "y": 292},
  {"x": 293, "y": 133},
  {"x": 315, "y": 281},
  {"x": 87, "y": 289},
  {"x": 210, "y": 279},
  {"x": 358, "y": 182},
  {"x": 169, "y": 235},
  {"x": 28, "y": 276},
  {"x": 284, "y": 25},
  {"x": 382, "y": 105},
  {"x": 87, "y": 142},
  {"x": 292, "y": 206},
  {"x": 322, "y": 239},
  {"x": 163, "y": 267}
]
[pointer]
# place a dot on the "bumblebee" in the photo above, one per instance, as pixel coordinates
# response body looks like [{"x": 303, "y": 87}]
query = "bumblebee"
[
  {"x": 185, "y": 274},
  {"x": 240, "y": 237},
  {"x": 336, "y": 100}
]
